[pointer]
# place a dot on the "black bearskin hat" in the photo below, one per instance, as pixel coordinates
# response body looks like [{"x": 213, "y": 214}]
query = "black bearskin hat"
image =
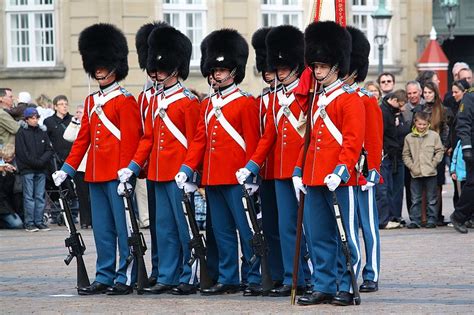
[
  {"x": 204, "y": 71},
  {"x": 285, "y": 47},
  {"x": 260, "y": 46},
  {"x": 225, "y": 48},
  {"x": 330, "y": 43},
  {"x": 169, "y": 50},
  {"x": 141, "y": 41},
  {"x": 360, "y": 54},
  {"x": 104, "y": 45}
]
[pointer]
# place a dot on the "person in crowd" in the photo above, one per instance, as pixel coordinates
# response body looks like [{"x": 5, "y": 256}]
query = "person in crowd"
[
  {"x": 374, "y": 88},
  {"x": 82, "y": 188},
  {"x": 57, "y": 124},
  {"x": 439, "y": 123},
  {"x": 110, "y": 130},
  {"x": 427, "y": 76},
  {"x": 390, "y": 192},
  {"x": 422, "y": 152},
  {"x": 9, "y": 218},
  {"x": 33, "y": 155},
  {"x": 8, "y": 125},
  {"x": 448, "y": 100},
  {"x": 466, "y": 74},
  {"x": 386, "y": 81}
]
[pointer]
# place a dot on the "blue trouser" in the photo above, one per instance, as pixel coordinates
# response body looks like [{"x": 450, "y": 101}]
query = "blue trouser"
[
  {"x": 110, "y": 228},
  {"x": 172, "y": 234},
  {"x": 390, "y": 192},
  {"x": 416, "y": 187},
  {"x": 287, "y": 217},
  {"x": 270, "y": 229},
  {"x": 211, "y": 247},
  {"x": 369, "y": 223},
  {"x": 228, "y": 214},
  {"x": 152, "y": 219},
  {"x": 320, "y": 224},
  {"x": 33, "y": 197}
]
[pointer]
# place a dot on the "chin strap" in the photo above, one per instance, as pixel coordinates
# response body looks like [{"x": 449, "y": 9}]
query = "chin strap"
[
  {"x": 106, "y": 77},
  {"x": 160, "y": 84},
  {"x": 352, "y": 76},
  {"x": 231, "y": 75},
  {"x": 330, "y": 73},
  {"x": 289, "y": 76}
]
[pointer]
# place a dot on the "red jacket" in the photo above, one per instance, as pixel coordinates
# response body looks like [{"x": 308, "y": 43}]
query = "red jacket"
[
  {"x": 373, "y": 142},
  {"x": 144, "y": 99},
  {"x": 107, "y": 154},
  {"x": 263, "y": 102},
  {"x": 284, "y": 138},
  {"x": 167, "y": 152},
  {"x": 325, "y": 155},
  {"x": 213, "y": 146}
]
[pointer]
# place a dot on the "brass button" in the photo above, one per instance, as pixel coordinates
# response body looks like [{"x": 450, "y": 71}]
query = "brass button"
[
  {"x": 98, "y": 132},
  {"x": 98, "y": 125},
  {"x": 285, "y": 129},
  {"x": 215, "y": 126},
  {"x": 96, "y": 139},
  {"x": 162, "y": 133},
  {"x": 319, "y": 140},
  {"x": 162, "y": 140},
  {"x": 213, "y": 141},
  {"x": 161, "y": 148},
  {"x": 320, "y": 132},
  {"x": 213, "y": 133}
]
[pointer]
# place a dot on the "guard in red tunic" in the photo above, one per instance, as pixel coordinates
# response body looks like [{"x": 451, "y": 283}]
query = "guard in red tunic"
[
  {"x": 111, "y": 128},
  {"x": 169, "y": 129},
  {"x": 284, "y": 131},
  {"x": 337, "y": 133},
  {"x": 227, "y": 135},
  {"x": 144, "y": 98},
  {"x": 267, "y": 187},
  {"x": 373, "y": 143}
]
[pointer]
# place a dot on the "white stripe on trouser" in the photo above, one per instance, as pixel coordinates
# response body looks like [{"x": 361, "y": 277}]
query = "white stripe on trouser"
[
  {"x": 352, "y": 230},
  {"x": 375, "y": 266},
  {"x": 195, "y": 265},
  {"x": 128, "y": 273}
]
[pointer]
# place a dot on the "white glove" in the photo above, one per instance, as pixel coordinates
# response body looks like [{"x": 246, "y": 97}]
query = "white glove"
[
  {"x": 299, "y": 186},
  {"x": 251, "y": 188},
  {"x": 124, "y": 174},
  {"x": 332, "y": 181},
  {"x": 189, "y": 188},
  {"x": 367, "y": 186},
  {"x": 121, "y": 188},
  {"x": 242, "y": 175},
  {"x": 180, "y": 179},
  {"x": 59, "y": 177}
]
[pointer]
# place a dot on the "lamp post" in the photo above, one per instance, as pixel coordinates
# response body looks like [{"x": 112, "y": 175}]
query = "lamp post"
[
  {"x": 382, "y": 19},
  {"x": 449, "y": 8}
]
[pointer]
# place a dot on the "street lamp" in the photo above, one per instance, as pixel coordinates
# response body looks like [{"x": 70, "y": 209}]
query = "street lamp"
[
  {"x": 382, "y": 19},
  {"x": 449, "y": 8}
]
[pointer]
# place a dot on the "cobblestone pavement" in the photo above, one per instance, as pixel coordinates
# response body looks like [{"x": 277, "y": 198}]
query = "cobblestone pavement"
[{"x": 423, "y": 272}]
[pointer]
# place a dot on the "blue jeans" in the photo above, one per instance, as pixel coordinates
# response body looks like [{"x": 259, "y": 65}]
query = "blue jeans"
[
  {"x": 11, "y": 221},
  {"x": 416, "y": 186},
  {"x": 390, "y": 193},
  {"x": 33, "y": 197}
]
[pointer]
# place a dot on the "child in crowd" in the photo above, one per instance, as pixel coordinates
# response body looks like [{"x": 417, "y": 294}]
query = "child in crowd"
[
  {"x": 33, "y": 153},
  {"x": 422, "y": 152}
]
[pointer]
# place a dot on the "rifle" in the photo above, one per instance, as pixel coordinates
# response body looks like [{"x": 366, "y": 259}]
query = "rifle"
[
  {"x": 197, "y": 244},
  {"x": 136, "y": 241},
  {"x": 345, "y": 247},
  {"x": 258, "y": 242},
  {"x": 74, "y": 242},
  {"x": 299, "y": 218}
]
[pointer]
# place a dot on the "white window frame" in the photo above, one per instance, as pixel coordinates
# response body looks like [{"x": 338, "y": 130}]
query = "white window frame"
[
  {"x": 182, "y": 8},
  {"x": 279, "y": 9},
  {"x": 31, "y": 9},
  {"x": 368, "y": 9}
]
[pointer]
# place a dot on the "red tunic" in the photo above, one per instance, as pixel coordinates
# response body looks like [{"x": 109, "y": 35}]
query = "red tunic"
[
  {"x": 144, "y": 99},
  {"x": 267, "y": 169},
  {"x": 325, "y": 155},
  {"x": 107, "y": 154},
  {"x": 215, "y": 148},
  {"x": 282, "y": 136},
  {"x": 163, "y": 149}
]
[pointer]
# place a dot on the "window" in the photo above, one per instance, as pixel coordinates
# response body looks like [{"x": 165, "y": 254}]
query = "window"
[
  {"x": 188, "y": 16},
  {"x": 362, "y": 19},
  {"x": 280, "y": 12},
  {"x": 30, "y": 33}
]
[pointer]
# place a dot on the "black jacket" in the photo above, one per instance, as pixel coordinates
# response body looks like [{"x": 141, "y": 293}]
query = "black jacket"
[
  {"x": 55, "y": 129},
  {"x": 391, "y": 144},
  {"x": 33, "y": 150},
  {"x": 465, "y": 120}
]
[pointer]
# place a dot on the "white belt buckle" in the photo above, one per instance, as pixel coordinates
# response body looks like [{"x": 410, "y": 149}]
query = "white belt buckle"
[
  {"x": 218, "y": 112},
  {"x": 323, "y": 113},
  {"x": 98, "y": 109},
  {"x": 162, "y": 112},
  {"x": 286, "y": 111}
]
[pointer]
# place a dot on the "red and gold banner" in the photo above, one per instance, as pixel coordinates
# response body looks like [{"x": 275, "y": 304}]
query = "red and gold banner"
[{"x": 329, "y": 10}]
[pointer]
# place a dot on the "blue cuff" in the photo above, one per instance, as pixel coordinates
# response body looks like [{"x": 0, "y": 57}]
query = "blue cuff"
[
  {"x": 342, "y": 171},
  {"x": 297, "y": 172},
  {"x": 187, "y": 170},
  {"x": 134, "y": 167},
  {"x": 68, "y": 169},
  {"x": 374, "y": 176},
  {"x": 253, "y": 167}
]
